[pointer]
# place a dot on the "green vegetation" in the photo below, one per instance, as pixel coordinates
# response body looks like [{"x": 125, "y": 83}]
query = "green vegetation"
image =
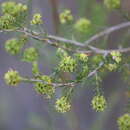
[{"x": 77, "y": 58}]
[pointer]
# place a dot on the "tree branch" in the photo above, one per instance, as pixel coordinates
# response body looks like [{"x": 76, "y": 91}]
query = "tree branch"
[
  {"x": 106, "y": 32},
  {"x": 60, "y": 41},
  {"x": 68, "y": 84}
]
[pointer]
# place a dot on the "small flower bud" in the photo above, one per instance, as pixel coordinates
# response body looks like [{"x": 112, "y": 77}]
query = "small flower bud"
[
  {"x": 124, "y": 122},
  {"x": 30, "y": 55},
  {"x": 13, "y": 8},
  {"x": 37, "y": 19},
  {"x": 99, "y": 103},
  {"x": 7, "y": 21},
  {"x": 83, "y": 25},
  {"x": 62, "y": 105},
  {"x": 82, "y": 57},
  {"x": 12, "y": 78},
  {"x": 111, "y": 67},
  {"x": 67, "y": 64},
  {"x": 16, "y": 10},
  {"x": 45, "y": 88},
  {"x": 66, "y": 17},
  {"x": 116, "y": 56},
  {"x": 13, "y": 46}
]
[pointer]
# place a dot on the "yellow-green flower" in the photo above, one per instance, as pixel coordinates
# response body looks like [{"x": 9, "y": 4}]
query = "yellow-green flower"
[
  {"x": 45, "y": 88},
  {"x": 124, "y": 122},
  {"x": 67, "y": 64},
  {"x": 12, "y": 77},
  {"x": 83, "y": 25},
  {"x": 13, "y": 46},
  {"x": 111, "y": 67},
  {"x": 62, "y": 105},
  {"x": 13, "y": 8},
  {"x": 37, "y": 19},
  {"x": 99, "y": 103},
  {"x": 66, "y": 17},
  {"x": 7, "y": 21},
  {"x": 16, "y": 10},
  {"x": 116, "y": 55},
  {"x": 82, "y": 57},
  {"x": 30, "y": 55}
]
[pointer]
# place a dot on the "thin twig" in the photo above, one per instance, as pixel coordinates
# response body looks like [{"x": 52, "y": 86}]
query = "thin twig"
[
  {"x": 106, "y": 32},
  {"x": 69, "y": 84},
  {"x": 53, "y": 40},
  {"x": 95, "y": 71}
]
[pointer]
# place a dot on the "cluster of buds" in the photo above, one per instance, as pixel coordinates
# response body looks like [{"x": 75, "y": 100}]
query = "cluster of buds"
[
  {"x": 124, "y": 122},
  {"x": 67, "y": 64},
  {"x": 62, "y": 105},
  {"x": 37, "y": 19},
  {"x": 45, "y": 87},
  {"x": 14, "y": 45},
  {"x": 66, "y": 17},
  {"x": 13, "y": 8},
  {"x": 30, "y": 54},
  {"x": 111, "y": 67},
  {"x": 83, "y": 25},
  {"x": 12, "y": 78},
  {"x": 99, "y": 103},
  {"x": 7, "y": 21},
  {"x": 116, "y": 56},
  {"x": 82, "y": 57},
  {"x": 113, "y": 61},
  {"x": 13, "y": 14}
]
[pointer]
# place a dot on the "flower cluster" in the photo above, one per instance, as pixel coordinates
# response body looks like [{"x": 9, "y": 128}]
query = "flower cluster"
[
  {"x": 82, "y": 66},
  {"x": 14, "y": 45},
  {"x": 113, "y": 61},
  {"x": 116, "y": 56},
  {"x": 13, "y": 8},
  {"x": 7, "y": 21},
  {"x": 124, "y": 122},
  {"x": 16, "y": 11},
  {"x": 12, "y": 78},
  {"x": 83, "y": 25},
  {"x": 66, "y": 17},
  {"x": 30, "y": 54},
  {"x": 45, "y": 87},
  {"x": 62, "y": 105},
  {"x": 82, "y": 57},
  {"x": 37, "y": 19},
  {"x": 112, "y": 4},
  {"x": 111, "y": 67},
  {"x": 99, "y": 103},
  {"x": 67, "y": 64}
]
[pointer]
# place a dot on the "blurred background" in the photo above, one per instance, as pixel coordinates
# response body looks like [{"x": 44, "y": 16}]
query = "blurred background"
[{"x": 22, "y": 109}]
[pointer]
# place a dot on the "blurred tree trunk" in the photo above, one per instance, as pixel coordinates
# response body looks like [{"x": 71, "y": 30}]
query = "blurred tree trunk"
[
  {"x": 55, "y": 16},
  {"x": 126, "y": 6}
]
